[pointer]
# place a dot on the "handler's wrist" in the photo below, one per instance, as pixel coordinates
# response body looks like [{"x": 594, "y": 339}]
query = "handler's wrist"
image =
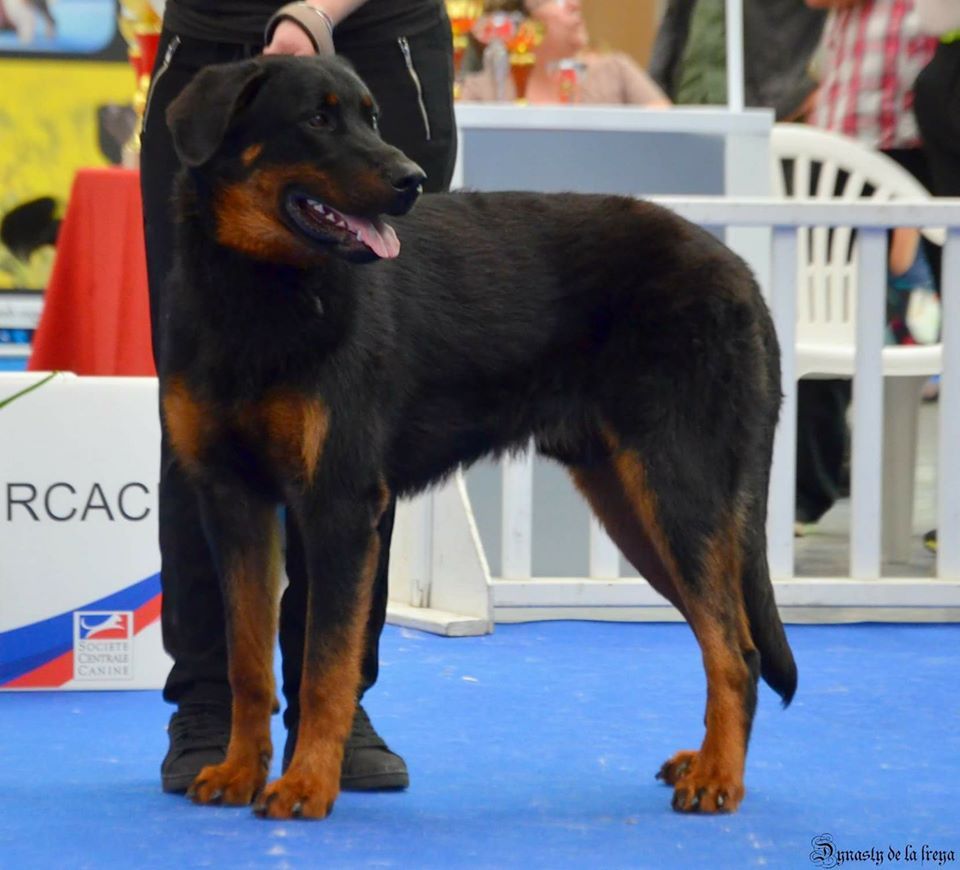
[{"x": 313, "y": 20}]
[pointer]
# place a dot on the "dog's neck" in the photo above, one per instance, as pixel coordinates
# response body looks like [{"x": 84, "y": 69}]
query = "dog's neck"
[{"x": 289, "y": 315}]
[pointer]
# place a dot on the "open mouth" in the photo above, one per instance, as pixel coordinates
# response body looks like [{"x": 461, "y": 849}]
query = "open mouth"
[{"x": 356, "y": 235}]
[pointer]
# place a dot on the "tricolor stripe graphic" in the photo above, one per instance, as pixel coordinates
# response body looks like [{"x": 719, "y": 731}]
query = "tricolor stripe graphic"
[{"x": 40, "y": 655}]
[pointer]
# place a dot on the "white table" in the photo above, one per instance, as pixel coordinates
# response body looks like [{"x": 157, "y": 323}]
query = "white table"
[{"x": 613, "y": 149}]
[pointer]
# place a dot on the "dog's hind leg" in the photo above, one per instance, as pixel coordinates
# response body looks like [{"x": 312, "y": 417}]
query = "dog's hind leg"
[
  {"x": 690, "y": 553},
  {"x": 342, "y": 547},
  {"x": 604, "y": 490},
  {"x": 245, "y": 535}
]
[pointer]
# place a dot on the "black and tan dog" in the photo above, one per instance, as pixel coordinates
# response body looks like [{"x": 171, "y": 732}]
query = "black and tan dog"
[{"x": 322, "y": 357}]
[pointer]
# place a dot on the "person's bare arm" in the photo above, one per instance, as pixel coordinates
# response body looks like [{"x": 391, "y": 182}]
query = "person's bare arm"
[
  {"x": 639, "y": 88},
  {"x": 903, "y": 249},
  {"x": 289, "y": 37}
]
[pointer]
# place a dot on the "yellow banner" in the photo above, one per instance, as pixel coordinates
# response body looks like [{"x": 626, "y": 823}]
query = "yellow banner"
[{"x": 56, "y": 116}]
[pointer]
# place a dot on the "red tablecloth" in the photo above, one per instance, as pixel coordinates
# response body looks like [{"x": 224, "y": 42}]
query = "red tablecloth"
[{"x": 96, "y": 312}]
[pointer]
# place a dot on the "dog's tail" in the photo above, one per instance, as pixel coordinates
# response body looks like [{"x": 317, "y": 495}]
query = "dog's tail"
[{"x": 777, "y": 667}]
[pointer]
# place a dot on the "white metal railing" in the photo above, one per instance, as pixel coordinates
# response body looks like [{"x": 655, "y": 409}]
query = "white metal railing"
[
  {"x": 872, "y": 222},
  {"x": 517, "y": 594}
]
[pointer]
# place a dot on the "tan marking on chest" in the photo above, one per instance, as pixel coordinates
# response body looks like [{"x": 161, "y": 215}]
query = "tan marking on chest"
[
  {"x": 295, "y": 428},
  {"x": 188, "y": 421},
  {"x": 288, "y": 428}
]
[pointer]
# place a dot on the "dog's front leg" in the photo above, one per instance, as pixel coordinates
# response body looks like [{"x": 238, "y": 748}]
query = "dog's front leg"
[
  {"x": 341, "y": 548},
  {"x": 244, "y": 534}
]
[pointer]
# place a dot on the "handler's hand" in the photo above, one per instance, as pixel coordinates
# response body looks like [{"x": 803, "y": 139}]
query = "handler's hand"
[{"x": 290, "y": 38}]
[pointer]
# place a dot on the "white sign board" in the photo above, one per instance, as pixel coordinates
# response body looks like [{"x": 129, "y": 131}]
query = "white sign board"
[{"x": 79, "y": 560}]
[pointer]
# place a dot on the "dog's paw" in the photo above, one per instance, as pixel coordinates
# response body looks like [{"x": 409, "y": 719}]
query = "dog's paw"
[
  {"x": 671, "y": 771},
  {"x": 700, "y": 787},
  {"x": 298, "y": 796},
  {"x": 229, "y": 783}
]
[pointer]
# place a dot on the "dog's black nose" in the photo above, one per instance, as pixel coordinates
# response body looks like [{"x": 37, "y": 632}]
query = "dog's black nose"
[{"x": 409, "y": 179}]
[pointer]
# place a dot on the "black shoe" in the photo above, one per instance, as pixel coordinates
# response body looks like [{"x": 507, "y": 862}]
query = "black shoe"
[
  {"x": 368, "y": 763},
  {"x": 199, "y": 735}
]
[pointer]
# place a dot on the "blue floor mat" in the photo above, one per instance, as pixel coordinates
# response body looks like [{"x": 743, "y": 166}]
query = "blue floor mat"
[{"x": 533, "y": 747}]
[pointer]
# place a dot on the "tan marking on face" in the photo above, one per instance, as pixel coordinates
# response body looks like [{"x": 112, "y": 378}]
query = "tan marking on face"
[
  {"x": 248, "y": 220},
  {"x": 366, "y": 101},
  {"x": 251, "y": 153},
  {"x": 331, "y": 99}
]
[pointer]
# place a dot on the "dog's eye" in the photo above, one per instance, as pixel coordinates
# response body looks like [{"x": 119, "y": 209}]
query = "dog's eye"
[
  {"x": 375, "y": 122},
  {"x": 322, "y": 121}
]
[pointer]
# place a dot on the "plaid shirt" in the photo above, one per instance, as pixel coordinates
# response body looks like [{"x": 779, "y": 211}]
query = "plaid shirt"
[{"x": 872, "y": 54}]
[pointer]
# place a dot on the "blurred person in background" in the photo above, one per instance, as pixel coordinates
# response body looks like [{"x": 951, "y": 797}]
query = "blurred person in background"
[
  {"x": 937, "y": 110},
  {"x": 937, "y": 95},
  {"x": 780, "y": 36},
  {"x": 600, "y": 77},
  {"x": 871, "y": 54}
]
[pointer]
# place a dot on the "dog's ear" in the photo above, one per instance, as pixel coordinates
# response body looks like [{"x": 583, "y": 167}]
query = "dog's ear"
[{"x": 200, "y": 116}]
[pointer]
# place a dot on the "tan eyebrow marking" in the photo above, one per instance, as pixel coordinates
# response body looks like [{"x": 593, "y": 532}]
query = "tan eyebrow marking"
[{"x": 251, "y": 153}]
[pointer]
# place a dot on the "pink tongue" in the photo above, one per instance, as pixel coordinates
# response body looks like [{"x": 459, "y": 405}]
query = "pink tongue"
[{"x": 379, "y": 237}]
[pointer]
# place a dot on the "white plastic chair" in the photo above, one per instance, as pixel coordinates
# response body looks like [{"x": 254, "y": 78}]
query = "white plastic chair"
[{"x": 813, "y": 164}]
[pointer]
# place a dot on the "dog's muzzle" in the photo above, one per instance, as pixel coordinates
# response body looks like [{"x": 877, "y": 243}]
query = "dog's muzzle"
[{"x": 407, "y": 181}]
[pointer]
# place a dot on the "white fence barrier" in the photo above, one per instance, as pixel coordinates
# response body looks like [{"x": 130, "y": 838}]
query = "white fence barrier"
[
  {"x": 861, "y": 594},
  {"x": 80, "y": 452}
]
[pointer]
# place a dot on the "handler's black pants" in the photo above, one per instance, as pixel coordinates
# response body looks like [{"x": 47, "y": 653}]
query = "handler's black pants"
[
  {"x": 416, "y": 116},
  {"x": 937, "y": 107}
]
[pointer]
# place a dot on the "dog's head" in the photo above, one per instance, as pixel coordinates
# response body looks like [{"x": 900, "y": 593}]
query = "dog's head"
[{"x": 290, "y": 150}]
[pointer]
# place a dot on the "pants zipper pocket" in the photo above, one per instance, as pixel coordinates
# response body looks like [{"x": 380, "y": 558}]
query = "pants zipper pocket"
[
  {"x": 167, "y": 59},
  {"x": 411, "y": 69}
]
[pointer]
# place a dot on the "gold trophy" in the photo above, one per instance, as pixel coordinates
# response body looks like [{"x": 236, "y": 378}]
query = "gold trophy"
[
  {"x": 463, "y": 15},
  {"x": 140, "y": 27},
  {"x": 522, "y": 47}
]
